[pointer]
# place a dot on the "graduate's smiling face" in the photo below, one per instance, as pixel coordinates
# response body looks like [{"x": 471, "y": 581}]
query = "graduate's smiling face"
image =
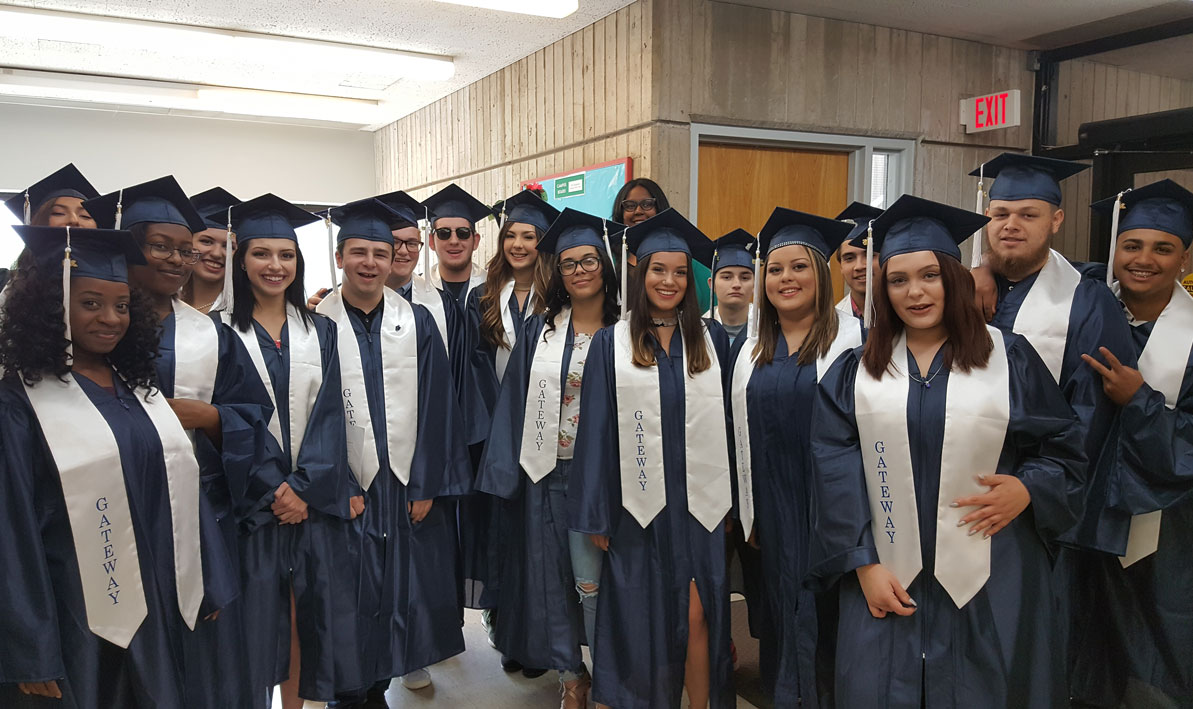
[
  {"x": 519, "y": 246},
  {"x": 271, "y": 265},
  {"x": 99, "y": 315},
  {"x": 169, "y": 259},
  {"x": 666, "y": 281},
  {"x": 1019, "y": 234},
  {"x": 407, "y": 247},
  {"x": 915, "y": 289},
  {"x": 642, "y": 206},
  {"x": 69, "y": 211},
  {"x": 1147, "y": 261},
  {"x": 853, "y": 267},
  {"x": 454, "y": 251},
  {"x": 582, "y": 283},
  {"x": 366, "y": 265},
  {"x": 210, "y": 245},
  {"x": 791, "y": 280}
]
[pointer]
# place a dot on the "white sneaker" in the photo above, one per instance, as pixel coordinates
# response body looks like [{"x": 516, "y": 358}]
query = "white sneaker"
[{"x": 418, "y": 679}]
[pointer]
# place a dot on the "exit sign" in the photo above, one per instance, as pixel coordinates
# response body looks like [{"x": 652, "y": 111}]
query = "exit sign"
[{"x": 990, "y": 112}]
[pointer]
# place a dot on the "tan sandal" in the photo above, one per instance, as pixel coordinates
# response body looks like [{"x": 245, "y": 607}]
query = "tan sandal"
[{"x": 575, "y": 693}]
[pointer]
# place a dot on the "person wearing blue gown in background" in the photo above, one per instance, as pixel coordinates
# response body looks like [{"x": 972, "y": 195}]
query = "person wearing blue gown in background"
[
  {"x": 650, "y": 480},
  {"x": 944, "y": 457},
  {"x": 731, "y": 285},
  {"x": 406, "y": 449},
  {"x": 550, "y": 575},
  {"x": 773, "y": 383},
  {"x": 299, "y": 586},
  {"x": 1136, "y": 653},
  {"x": 853, "y": 261},
  {"x": 209, "y": 380},
  {"x": 110, "y": 553}
]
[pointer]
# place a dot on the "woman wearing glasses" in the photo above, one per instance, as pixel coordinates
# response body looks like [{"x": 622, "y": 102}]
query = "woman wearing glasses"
[
  {"x": 637, "y": 201},
  {"x": 206, "y": 283},
  {"x": 529, "y": 455}
]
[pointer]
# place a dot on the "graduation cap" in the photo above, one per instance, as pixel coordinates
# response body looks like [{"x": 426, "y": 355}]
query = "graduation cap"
[
  {"x": 65, "y": 182},
  {"x": 269, "y": 217},
  {"x": 1164, "y": 206},
  {"x": 668, "y": 231},
  {"x": 1021, "y": 176},
  {"x": 104, "y": 254},
  {"x": 453, "y": 201},
  {"x": 526, "y": 207},
  {"x": 213, "y": 206},
  {"x": 860, "y": 215},
  {"x": 405, "y": 208},
  {"x": 368, "y": 219},
  {"x": 787, "y": 226},
  {"x": 575, "y": 228},
  {"x": 159, "y": 201},
  {"x": 737, "y": 248}
]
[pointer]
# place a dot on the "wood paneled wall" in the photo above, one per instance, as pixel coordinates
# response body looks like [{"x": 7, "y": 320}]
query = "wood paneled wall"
[{"x": 1090, "y": 91}]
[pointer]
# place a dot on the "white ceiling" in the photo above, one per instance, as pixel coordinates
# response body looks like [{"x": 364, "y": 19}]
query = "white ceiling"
[{"x": 480, "y": 42}]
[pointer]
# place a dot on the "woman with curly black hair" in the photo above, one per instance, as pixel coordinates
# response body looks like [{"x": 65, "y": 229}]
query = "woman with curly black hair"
[
  {"x": 105, "y": 543},
  {"x": 545, "y": 619}
]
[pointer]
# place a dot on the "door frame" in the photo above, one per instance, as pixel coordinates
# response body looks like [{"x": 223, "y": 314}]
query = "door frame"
[{"x": 861, "y": 149}]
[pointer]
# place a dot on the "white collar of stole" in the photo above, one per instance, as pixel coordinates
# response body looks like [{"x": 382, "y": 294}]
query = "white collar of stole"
[
  {"x": 1162, "y": 364},
  {"x": 93, "y": 486},
  {"x": 977, "y": 411},
  {"x": 399, "y": 375},
  {"x": 509, "y": 326},
  {"x": 427, "y": 295},
  {"x": 306, "y": 376},
  {"x": 196, "y": 353},
  {"x": 544, "y": 392},
  {"x": 849, "y": 335},
  {"x": 1043, "y": 317},
  {"x": 640, "y": 436}
]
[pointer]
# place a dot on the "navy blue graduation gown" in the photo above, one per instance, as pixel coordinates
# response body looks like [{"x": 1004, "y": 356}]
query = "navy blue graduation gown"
[
  {"x": 43, "y": 632},
  {"x": 1139, "y": 647},
  {"x": 779, "y": 400},
  {"x": 409, "y": 618},
  {"x": 312, "y": 557},
  {"x": 1095, "y": 320},
  {"x": 642, "y": 617},
  {"x": 541, "y": 622},
  {"x": 1000, "y": 649},
  {"x": 215, "y": 651}
]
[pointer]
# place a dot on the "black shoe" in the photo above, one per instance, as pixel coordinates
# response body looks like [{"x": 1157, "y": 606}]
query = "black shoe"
[
  {"x": 509, "y": 664},
  {"x": 531, "y": 673},
  {"x": 376, "y": 700}
]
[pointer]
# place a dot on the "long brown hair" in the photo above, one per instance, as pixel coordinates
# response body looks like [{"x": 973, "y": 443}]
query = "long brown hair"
[
  {"x": 500, "y": 273},
  {"x": 824, "y": 325},
  {"x": 968, "y": 345},
  {"x": 688, "y": 313}
]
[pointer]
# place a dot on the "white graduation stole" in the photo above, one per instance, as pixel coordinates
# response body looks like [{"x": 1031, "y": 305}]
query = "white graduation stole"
[
  {"x": 306, "y": 376},
  {"x": 544, "y": 391},
  {"x": 508, "y": 325},
  {"x": 93, "y": 486},
  {"x": 196, "y": 353},
  {"x": 640, "y": 437},
  {"x": 849, "y": 335},
  {"x": 977, "y": 411},
  {"x": 1163, "y": 367},
  {"x": 1043, "y": 317},
  {"x": 427, "y": 295},
  {"x": 399, "y": 369},
  {"x": 844, "y": 308}
]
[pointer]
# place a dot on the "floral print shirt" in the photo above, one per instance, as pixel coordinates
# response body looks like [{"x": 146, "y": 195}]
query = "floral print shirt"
[{"x": 569, "y": 412}]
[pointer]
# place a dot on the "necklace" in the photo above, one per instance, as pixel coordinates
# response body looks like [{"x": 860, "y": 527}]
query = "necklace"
[
  {"x": 931, "y": 375},
  {"x": 665, "y": 322}
]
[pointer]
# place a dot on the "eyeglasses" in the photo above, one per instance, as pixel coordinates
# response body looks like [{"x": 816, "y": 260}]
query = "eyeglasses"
[
  {"x": 163, "y": 253},
  {"x": 647, "y": 205},
  {"x": 588, "y": 264},
  {"x": 413, "y": 245},
  {"x": 463, "y": 233}
]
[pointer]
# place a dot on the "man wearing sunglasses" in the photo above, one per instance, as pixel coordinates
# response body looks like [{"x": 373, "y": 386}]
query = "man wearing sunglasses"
[{"x": 454, "y": 214}]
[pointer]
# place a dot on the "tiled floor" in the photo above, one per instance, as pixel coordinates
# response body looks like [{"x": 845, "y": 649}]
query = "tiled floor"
[{"x": 475, "y": 679}]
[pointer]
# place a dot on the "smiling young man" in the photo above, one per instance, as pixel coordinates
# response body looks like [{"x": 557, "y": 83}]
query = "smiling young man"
[
  {"x": 454, "y": 214},
  {"x": 1137, "y": 654},
  {"x": 405, "y": 448},
  {"x": 732, "y": 281},
  {"x": 853, "y": 260}
]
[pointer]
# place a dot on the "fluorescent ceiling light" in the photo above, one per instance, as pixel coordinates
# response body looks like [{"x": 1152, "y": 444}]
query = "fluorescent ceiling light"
[
  {"x": 541, "y": 8},
  {"x": 292, "y": 54},
  {"x": 183, "y": 97}
]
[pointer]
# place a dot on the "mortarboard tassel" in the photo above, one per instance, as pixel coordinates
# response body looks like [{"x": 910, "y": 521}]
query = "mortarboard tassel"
[
  {"x": 975, "y": 259},
  {"x": 712, "y": 291},
  {"x": 226, "y": 295},
  {"x": 331, "y": 248},
  {"x": 28, "y": 209},
  {"x": 755, "y": 304},
  {"x": 66, "y": 261},
  {"x": 608, "y": 242},
  {"x": 1118, "y": 207},
  {"x": 868, "y": 320},
  {"x": 427, "y": 236},
  {"x": 625, "y": 267},
  {"x": 119, "y": 209}
]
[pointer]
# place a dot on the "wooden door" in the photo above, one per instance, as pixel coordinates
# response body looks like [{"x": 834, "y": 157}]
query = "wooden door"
[{"x": 740, "y": 185}]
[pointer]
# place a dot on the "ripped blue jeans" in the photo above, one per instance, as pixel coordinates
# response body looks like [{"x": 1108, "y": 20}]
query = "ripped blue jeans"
[{"x": 586, "y": 569}]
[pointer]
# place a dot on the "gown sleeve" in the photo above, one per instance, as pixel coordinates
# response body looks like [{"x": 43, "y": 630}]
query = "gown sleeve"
[
  {"x": 480, "y": 371},
  {"x": 501, "y": 472},
  {"x": 594, "y": 486},
  {"x": 1155, "y": 452},
  {"x": 441, "y": 467},
  {"x": 841, "y": 536},
  {"x": 221, "y": 582},
  {"x": 322, "y": 478},
  {"x": 30, "y": 649},
  {"x": 1046, "y": 440}
]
